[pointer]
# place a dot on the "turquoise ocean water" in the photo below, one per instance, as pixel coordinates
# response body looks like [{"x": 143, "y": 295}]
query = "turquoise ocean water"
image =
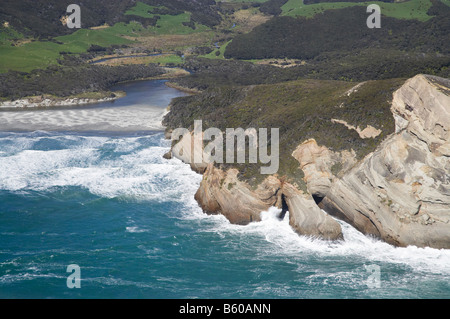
[{"x": 107, "y": 201}]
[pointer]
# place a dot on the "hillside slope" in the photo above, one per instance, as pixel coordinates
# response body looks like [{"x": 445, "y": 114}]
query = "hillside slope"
[{"x": 391, "y": 182}]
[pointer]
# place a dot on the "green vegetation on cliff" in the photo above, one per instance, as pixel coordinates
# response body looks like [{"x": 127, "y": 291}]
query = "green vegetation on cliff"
[{"x": 301, "y": 109}]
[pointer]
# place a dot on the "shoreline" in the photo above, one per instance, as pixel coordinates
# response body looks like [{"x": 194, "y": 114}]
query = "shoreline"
[
  {"x": 182, "y": 88},
  {"x": 56, "y": 114},
  {"x": 45, "y": 101}
]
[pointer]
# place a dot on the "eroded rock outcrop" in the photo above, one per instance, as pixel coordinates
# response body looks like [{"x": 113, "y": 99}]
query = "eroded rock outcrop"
[
  {"x": 401, "y": 192},
  {"x": 320, "y": 165},
  {"x": 306, "y": 218},
  {"x": 186, "y": 149},
  {"x": 222, "y": 192}
]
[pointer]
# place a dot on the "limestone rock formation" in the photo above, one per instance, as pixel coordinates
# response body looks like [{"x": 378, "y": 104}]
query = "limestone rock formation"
[
  {"x": 187, "y": 150},
  {"x": 306, "y": 218},
  {"x": 317, "y": 163},
  {"x": 222, "y": 192},
  {"x": 401, "y": 192}
]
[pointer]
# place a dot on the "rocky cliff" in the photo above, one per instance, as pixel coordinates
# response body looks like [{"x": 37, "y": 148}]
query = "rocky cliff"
[
  {"x": 222, "y": 192},
  {"x": 399, "y": 193}
]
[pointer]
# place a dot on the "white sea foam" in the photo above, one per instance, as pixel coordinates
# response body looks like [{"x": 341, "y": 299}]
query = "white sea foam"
[
  {"x": 135, "y": 229},
  {"x": 279, "y": 239},
  {"x": 113, "y": 167},
  {"x": 112, "y": 281},
  {"x": 13, "y": 278},
  {"x": 95, "y": 163}
]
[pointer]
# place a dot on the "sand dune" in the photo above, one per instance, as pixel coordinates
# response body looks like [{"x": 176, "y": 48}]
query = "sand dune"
[{"x": 129, "y": 118}]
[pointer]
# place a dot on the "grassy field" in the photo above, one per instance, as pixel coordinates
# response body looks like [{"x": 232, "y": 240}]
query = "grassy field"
[
  {"x": 412, "y": 9},
  {"x": 162, "y": 59},
  {"x": 26, "y": 56},
  {"x": 168, "y": 59},
  {"x": 219, "y": 55},
  {"x": 40, "y": 54},
  {"x": 167, "y": 24},
  {"x": 142, "y": 10},
  {"x": 82, "y": 39}
]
